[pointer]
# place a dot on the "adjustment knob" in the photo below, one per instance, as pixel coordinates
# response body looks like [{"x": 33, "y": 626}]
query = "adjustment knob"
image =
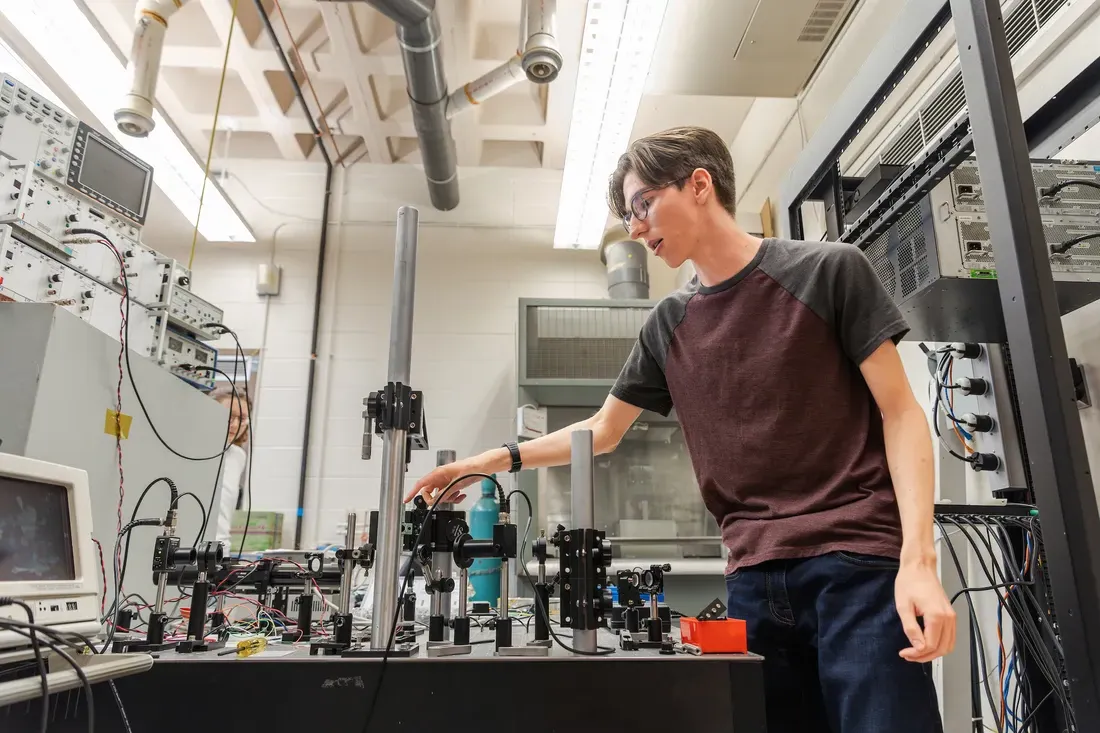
[
  {"x": 72, "y": 218},
  {"x": 88, "y": 294},
  {"x": 373, "y": 403},
  {"x": 55, "y": 278},
  {"x": 183, "y": 281},
  {"x": 972, "y": 385}
]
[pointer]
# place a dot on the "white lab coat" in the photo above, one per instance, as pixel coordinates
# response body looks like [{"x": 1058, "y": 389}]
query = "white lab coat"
[{"x": 229, "y": 484}]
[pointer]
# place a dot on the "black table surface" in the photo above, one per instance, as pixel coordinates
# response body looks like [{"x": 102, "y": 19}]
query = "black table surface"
[{"x": 285, "y": 689}]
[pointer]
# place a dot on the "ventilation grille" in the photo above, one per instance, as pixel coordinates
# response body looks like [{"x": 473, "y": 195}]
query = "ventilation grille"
[
  {"x": 1083, "y": 257},
  {"x": 884, "y": 268},
  {"x": 580, "y": 342},
  {"x": 905, "y": 148},
  {"x": 1021, "y": 25},
  {"x": 913, "y": 267},
  {"x": 822, "y": 21}
]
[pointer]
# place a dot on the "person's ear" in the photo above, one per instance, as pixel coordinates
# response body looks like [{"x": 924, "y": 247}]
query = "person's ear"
[{"x": 702, "y": 185}]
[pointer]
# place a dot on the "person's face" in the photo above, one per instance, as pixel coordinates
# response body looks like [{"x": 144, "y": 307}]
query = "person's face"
[
  {"x": 238, "y": 419},
  {"x": 665, "y": 217}
]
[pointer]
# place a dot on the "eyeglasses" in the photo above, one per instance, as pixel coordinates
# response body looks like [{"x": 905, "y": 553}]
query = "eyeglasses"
[{"x": 639, "y": 207}]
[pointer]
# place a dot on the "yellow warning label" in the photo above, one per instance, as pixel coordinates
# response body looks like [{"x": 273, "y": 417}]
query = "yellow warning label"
[{"x": 116, "y": 421}]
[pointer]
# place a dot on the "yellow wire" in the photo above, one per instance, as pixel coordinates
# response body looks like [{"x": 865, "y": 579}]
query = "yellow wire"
[{"x": 213, "y": 135}]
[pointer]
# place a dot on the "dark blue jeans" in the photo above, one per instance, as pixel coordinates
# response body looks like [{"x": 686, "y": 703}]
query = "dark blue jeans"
[{"x": 830, "y": 635}]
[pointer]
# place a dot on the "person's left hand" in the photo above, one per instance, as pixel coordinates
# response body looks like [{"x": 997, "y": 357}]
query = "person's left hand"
[{"x": 918, "y": 593}]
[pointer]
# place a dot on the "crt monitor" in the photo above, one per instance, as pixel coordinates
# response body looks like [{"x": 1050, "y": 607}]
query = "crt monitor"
[{"x": 46, "y": 553}]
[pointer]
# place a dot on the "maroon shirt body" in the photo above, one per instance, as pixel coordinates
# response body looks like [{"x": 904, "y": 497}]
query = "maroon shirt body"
[{"x": 763, "y": 370}]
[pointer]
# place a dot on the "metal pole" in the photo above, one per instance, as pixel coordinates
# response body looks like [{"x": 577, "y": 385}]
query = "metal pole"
[
  {"x": 1052, "y": 427},
  {"x": 349, "y": 566},
  {"x": 394, "y": 443},
  {"x": 583, "y": 505},
  {"x": 442, "y": 560}
]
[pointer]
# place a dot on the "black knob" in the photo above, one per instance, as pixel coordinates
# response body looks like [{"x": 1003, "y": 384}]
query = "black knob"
[
  {"x": 55, "y": 278},
  {"x": 972, "y": 385},
  {"x": 447, "y": 585},
  {"x": 88, "y": 294},
  {"x": 373, "y": 403},
  {"x": 978, "y": 423},
  {"x": 985, "y": 462},
  {"x": 72, "y": 218},
  {"x": 183, "y": 281},
  {"x": 967, "y": 350}
]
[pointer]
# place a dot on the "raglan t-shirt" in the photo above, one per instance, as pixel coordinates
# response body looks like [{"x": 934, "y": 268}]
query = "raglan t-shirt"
[{"x": 763, "y": 370}]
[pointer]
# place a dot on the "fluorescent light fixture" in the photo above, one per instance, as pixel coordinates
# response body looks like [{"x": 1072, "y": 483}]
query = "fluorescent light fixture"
[
  {"x": 59, "y": 31},
  {"x": 620, "y": 37}
]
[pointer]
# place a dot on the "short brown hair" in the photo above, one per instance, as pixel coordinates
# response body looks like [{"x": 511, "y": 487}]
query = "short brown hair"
[{"x": 670, "y": 156}]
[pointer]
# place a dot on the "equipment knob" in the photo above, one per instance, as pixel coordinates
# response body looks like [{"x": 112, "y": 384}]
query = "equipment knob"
[
  {"x": 373, "y": 403},
  {"x": 55, "y": 278},
  {"x": 88, "y": 294},
  {"x": 985, "y": 462},
  {"x": 72, "y": 218},
  {"x": 978, "y": 423},
  {"x": 973, "y": 385},
  {"x": 20, "y": 109},
  {"x": 183, "y": 281}
]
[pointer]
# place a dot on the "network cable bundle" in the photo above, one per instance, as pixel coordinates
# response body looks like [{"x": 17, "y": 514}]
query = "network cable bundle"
[{"x": 72, "y": 206}]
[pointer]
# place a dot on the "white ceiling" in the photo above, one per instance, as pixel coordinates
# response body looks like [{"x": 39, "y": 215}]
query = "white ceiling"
[{"x": 713, "y": 58}]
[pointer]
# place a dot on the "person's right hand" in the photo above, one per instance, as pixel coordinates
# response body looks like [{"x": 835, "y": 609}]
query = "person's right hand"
[{"x": 439, "y": 479}]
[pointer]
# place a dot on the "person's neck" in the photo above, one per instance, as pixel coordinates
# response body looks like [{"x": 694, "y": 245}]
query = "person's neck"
[{"x": 722, "y": 252}]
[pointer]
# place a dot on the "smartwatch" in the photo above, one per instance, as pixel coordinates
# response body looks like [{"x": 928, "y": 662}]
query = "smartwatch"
[{"x": 517, "y": 463}]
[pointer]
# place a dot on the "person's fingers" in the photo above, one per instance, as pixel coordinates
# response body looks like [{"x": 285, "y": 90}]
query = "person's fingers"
[
  {"x": 933, "y": 633},
  {"x": 912, "y": 631}
]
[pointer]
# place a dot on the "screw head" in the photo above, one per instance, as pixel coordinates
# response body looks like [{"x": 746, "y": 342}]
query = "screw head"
[
  {"x": 568, "y": 620},
  {"x": 567, "y": 586}
]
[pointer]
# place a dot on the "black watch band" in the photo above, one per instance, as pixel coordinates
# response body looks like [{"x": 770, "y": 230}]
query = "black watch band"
[{"x": 517, "y": 463}]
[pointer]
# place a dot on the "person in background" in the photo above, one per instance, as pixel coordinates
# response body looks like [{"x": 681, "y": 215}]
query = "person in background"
[
  {"x": 809, "y": 447},
  {"x": 236, "y": 458}
]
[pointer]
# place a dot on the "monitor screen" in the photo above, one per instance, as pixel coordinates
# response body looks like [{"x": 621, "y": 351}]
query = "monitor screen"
[
  {"x": 35, "y": 533},
  {"x": 113, "y": 176}
]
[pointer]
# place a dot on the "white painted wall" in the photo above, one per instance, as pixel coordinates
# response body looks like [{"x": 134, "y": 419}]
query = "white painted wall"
[{"x": 471, "y": 271}]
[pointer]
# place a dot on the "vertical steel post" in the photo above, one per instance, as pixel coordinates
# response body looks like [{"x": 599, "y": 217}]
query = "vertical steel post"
[
  {"x": 441, "y": 561},
  {"x": 583, "y": 506},
  {"x": 394, "y": 441},
  {"x": 1052, "y": 427}
]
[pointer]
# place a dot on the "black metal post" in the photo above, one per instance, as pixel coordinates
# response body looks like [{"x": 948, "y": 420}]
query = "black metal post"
[{"x": 1052, "y": 427}]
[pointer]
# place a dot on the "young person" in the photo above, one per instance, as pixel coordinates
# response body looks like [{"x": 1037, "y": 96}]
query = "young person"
[
  {"x": 809, "y": 447},
  {"x": 233, "y": 463}
]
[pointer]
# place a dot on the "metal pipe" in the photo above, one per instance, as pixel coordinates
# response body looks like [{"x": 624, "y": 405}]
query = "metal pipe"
[
  {"x": 542, "y": 61},
  {"x": 627, "y": 263},
  {"x": 394, "y": 439},
  {"x": 488, "y": 85},
  {"x": 583, "y": 505},
  {"x": 419, "y": 36},
  {"x": 162, "y": 584},
  {"x": 135, "y": 115},
  {"x": 348, "y": 571}
]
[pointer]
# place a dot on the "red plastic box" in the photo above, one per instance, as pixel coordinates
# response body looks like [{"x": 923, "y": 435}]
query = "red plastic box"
[{"x": 722, "y": 636}]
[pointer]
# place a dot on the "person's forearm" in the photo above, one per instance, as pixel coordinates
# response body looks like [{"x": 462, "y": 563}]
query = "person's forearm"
[
  {"x": 552, "y": 449},
  {"x": 909, "y": 452}
]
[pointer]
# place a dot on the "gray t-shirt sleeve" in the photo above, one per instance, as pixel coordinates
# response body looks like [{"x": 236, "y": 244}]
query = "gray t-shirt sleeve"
[
  {"x": 642, "y": 381},
  {"x": 866, "y": 315}
]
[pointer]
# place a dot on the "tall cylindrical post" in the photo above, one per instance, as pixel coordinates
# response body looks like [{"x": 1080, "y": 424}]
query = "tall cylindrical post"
[
  {"x": 387, "y": 544},
  {"x": 349, "y": 566},
  {"x": 582, "y": 468},
  {"x": 441, "y": 561}
]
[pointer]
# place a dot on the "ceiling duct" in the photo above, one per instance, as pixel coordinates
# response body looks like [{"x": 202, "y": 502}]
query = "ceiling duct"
[
  {"x": 418, "y": 33},
  {"x": 627, "y": 263},
  {"x": 135, "y": 116}
]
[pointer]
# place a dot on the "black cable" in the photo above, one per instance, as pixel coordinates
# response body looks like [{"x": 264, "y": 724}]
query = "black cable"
[
  {"x": 1063, "y": 247},
  {"x": 38, "y": 660},
  {"x": 106, "y": 241},
  {"x": 600, "y": 650},
  {"x": 57, "y": 649},
  {"x": 995, "y": 586},
  {"x": 1052, "y": 191},
  {"x": 125, "y": 531},
  {"x": 404, "y": 585},
  {"x": 936, "y": 410},
  {"x": 974, "y": 625},
  {"x": 201, "y": 509},
  {"x": 251, "y": 435}
]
